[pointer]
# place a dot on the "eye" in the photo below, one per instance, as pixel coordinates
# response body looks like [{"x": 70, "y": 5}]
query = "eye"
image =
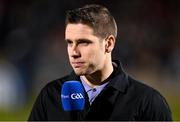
[{"x": 84, "y": 42}]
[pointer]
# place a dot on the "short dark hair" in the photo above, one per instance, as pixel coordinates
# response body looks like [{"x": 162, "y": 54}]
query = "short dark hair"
[{"x": 96, "y": 16}]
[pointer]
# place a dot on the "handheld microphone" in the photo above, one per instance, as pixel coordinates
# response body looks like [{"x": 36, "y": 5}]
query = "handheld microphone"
[{"x": 72, "y": 96}]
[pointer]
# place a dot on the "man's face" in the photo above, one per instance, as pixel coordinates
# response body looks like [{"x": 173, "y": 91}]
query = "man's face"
[{"x": 86, "y": 51}]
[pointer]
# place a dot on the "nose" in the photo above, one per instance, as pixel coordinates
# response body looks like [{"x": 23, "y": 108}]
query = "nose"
[{"x": 75, "y": 53}]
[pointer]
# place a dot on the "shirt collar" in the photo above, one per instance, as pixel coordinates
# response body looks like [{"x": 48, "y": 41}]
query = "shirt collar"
[{"x": 88, "y": 88}]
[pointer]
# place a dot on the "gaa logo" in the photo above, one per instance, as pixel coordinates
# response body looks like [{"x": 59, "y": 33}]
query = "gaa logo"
[{"x": 76, "y": 96}]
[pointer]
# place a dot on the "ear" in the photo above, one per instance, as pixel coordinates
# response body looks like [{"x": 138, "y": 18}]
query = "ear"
[{"x": 109, "y": 43}]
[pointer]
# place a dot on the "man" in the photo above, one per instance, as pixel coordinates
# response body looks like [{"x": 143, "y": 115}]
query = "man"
[{"x": 112, "y": 94}]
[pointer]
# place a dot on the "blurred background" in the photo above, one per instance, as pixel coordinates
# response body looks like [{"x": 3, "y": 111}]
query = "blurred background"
[{"x": 33, "y": 50}]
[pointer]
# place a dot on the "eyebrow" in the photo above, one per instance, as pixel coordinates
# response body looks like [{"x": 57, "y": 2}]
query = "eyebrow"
[
  {"x": 84, "y": 40},
  {"x": 67, "y": 40},
  {"x": 79, "y": 40}
]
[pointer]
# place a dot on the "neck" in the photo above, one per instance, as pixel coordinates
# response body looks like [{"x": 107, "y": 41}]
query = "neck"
[{"x": 97, "y": 78}]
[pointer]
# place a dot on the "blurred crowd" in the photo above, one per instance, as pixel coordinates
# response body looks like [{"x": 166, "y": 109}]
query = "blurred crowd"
[{"x": 33, "y": 50}]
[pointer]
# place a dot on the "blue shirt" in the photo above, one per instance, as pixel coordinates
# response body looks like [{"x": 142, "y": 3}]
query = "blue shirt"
[{"x": 92, "y": 92}]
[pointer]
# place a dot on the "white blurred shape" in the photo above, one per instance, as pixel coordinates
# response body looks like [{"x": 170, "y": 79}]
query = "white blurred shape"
[{"x": 11, "y": 90}]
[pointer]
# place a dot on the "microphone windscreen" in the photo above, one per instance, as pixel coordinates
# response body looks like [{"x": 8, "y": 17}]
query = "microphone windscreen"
[{"x": 72, "y": 96}]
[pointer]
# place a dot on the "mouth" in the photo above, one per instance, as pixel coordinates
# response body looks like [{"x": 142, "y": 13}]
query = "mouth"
[{"x": 77, "y": 64}]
